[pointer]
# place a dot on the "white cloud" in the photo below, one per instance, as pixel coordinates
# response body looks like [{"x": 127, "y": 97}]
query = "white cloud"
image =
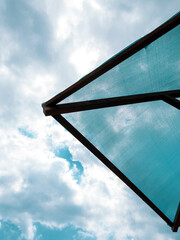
[
  {"x": 68, "y": 23},
  {"x": 143, "y": 66},
  {"x": 96, "y": 5},
  {"x": 63, "y": 28},
  {"x": 128, "y": 118},
  {"x": 85, "y": 58}
]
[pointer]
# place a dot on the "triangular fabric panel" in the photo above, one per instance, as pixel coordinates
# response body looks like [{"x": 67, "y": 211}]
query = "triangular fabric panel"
[
  {"x": 142, "y": 141},
  {"x": 152, "y": 69}
]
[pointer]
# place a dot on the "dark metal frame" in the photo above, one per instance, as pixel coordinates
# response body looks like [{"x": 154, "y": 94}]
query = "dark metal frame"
[
  {"x": 176, "y": 222},
  {"x": 54, "y": 109},
  {"x": 167, "y": 96}
]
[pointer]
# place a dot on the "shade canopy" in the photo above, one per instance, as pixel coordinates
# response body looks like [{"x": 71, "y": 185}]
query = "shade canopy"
[{"x": 126, "y": 112}]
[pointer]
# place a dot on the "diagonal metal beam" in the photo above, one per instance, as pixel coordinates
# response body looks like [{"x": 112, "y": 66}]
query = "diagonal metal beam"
[
  {"x": 176, "y": 222},
  {"x": 172, "y": 101},
  {"x": 111, "y": 102}
]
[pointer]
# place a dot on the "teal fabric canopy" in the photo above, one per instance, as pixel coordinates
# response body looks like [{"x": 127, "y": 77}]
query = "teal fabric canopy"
[{"x": 126, "y": 112}]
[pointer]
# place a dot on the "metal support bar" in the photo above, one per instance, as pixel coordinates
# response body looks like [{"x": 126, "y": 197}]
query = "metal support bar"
[
  {"x": 172, "y": 101},
  {"x": 111, "y": 102},
  {"x": 176, "y": 222}
]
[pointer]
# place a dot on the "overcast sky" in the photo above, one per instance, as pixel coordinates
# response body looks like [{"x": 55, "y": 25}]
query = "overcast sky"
[{"x": 51, "y": 187}]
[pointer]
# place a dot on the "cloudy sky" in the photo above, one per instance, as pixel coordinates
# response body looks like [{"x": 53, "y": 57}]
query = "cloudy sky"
[{"x": 51, "y": 187}]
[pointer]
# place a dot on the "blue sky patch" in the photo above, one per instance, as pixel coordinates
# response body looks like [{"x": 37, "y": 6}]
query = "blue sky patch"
[
  {"x": 26, "y": 133},
  {"x": 65, "y": 153},
  {"x": 9, "y": 231},
  {"x": 67, "y": 233}
]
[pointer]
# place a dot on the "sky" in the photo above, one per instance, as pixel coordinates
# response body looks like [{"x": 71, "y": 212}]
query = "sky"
[{"x": 51, "y": 187}]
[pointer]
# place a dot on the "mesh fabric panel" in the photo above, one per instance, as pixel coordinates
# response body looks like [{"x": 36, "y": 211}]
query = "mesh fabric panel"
[
  {"x": 142, "y": 141},
  {"x": 154, "y": 68}
]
